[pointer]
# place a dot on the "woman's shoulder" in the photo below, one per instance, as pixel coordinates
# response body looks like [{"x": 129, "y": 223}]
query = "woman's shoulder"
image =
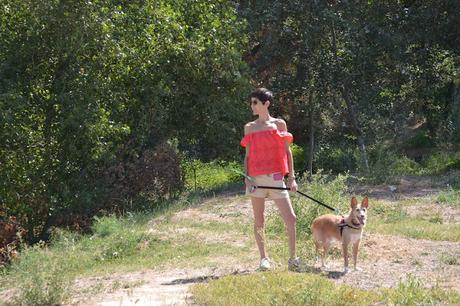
[
  {"x": 280, "y": 124},
  {"x": 249, "y": 127}
]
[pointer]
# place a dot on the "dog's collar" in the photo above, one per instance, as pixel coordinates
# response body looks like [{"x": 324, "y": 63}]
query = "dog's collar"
[
  {"x": 357, "y": 225},
  {"x": 343, "y": 224}
]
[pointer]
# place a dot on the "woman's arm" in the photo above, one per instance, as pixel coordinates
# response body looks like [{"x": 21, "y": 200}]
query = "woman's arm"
[
  {"x": 248, "y": 183},
  {"x": 282, "y": 127}
]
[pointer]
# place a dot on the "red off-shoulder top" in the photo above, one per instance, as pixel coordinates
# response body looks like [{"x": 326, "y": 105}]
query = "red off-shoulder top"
[{"x": 267, "y": 152}]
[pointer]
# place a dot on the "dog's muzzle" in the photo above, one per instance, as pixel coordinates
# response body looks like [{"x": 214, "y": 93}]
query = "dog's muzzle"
[{"x": 362, "y": 220}]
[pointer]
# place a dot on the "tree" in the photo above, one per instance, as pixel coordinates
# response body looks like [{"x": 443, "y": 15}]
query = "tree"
[
  {"x": 363, "y": 68},
  {"x": 94, "y": 95}
]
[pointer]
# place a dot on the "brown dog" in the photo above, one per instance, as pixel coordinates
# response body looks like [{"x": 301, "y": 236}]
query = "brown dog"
[{"x": 345, "y": 229}]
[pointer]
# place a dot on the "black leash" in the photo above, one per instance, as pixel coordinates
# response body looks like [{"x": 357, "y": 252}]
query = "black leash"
[
  {"x": 305, "y": 195},
  {"x": 282, "y": 188}
]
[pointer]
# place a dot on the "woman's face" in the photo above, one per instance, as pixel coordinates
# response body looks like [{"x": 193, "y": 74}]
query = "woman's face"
[{"x": 258, "y": 107}]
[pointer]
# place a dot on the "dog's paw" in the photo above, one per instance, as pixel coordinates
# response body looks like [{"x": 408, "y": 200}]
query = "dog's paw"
[
  {"x": 345, "y": 270},
  {"x": 357, "y": 269}
]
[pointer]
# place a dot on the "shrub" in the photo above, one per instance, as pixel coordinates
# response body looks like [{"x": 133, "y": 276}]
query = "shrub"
[
  {"x": 449, "y": 197},
  {"x": 328, "y": 189},
  {"x": 421, "y": 140},
  {"x": 112, "y": 187},
  {"x": 11, "y": 234},
  {"x": 442, "y": 161},
  {"x": 111, "y": 240},
  {"x": 156, "y": 173},
  {"x": 385, "y": 163},
  {"x": 40, "y": 279},
  {"x": 337, "y": 160},
  {"x": 201, "y": 176},
  {"x": 403, "y": 165},
  {"x": 300, "y": 157}
]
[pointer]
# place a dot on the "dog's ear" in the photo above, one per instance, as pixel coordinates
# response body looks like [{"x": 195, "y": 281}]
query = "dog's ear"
[
  {"x": 365, "y": 203},
  {"x": 354, "y": 202}
]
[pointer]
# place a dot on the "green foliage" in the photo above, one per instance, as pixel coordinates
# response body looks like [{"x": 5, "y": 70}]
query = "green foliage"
[
  {"x": 421, "y": 140},
  {"x": 335, "y": 159},
  {"x": 44, "y": 273},
  {"x": 361, "y": 72},
  {"x": 419, "y": 229},
  {"x": 402, "y": 165},
  {"x": 40, "y": 279},
  {"x": 412, "y": 292},
  {"x": 281, "y": 288},
  {"x": 90, "y": 90},
  {"x": 329, "y": 189},
  {"x": 277, "y": 289},
  {"x": 300, "y": 157},
  {"x": 385, "y": 164},
  {"x": 387, "y": 213},
  {"x": 106, "y": 226},
  {"x": 442, "y": 161},
  {"x": 449, "y": 197},
  {"x": 392, "y": 219},
  {"x": 114, "y": 241},
  {"x": 201, "y": 176}
]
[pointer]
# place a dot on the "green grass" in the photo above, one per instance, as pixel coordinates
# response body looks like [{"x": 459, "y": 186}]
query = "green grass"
[
  {"x": 215, "y": 175},
  {"x": 331, "y": 190},
  {"x": 284, "y": 288},
  {"x": 449, "y": 197},
  {"x": 40, "y": 279},
  {"x": 391, "y": 219},
  {"x": 450, "y": 259},
  {"x": 388, "y": 166},
  {"x": 419, "y": 229},
  {"x": 43, "y": 274},
  {"x": 443, "y": 161}
]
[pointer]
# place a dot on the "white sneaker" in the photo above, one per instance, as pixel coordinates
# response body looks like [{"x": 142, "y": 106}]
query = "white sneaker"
[{"x": 264, "y": 264}]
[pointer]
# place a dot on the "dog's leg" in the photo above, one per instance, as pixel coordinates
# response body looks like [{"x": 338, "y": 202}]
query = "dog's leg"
[
  {"x": 355, "y": 253},
  {"x": 324, "y": 255},
  {"x": 345, "y": 255},
  {"x": 318, "y": 251},
  {"x": 321, "y": 251}
]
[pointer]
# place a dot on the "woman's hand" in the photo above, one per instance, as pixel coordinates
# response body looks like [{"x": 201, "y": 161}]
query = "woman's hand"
[
  {"x": 250, "y": 185},
  {"x": 292, "y": 184}
]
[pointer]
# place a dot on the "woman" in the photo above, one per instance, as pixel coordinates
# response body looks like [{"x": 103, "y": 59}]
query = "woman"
[{"x": 268, "y": 160}]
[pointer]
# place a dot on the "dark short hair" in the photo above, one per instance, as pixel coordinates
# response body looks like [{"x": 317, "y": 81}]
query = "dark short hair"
[{"x": 262, "y": 94}]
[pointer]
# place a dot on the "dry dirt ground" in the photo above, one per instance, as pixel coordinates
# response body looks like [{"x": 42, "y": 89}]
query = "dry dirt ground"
[{"x": 384, "y": 260}]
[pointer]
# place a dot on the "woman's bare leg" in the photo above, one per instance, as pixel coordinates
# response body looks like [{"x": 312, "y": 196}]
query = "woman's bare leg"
[
  {"x": 289, "y": 217},
  {"x": 258, "y": 208}
]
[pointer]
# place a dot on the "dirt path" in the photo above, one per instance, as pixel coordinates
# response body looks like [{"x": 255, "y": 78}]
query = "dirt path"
[
  {"x": 390, "y": 259},
  {"x": 153, "y": 287},
  {"x": 385, "y": 261},
  {"x": 406, "y": 187},
  {"x": 170, "y": 286}
]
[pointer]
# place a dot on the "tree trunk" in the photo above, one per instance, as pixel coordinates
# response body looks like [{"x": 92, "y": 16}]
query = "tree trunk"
[
  {"x": 357, "y": 128},
  {"x": 312, "y": 140},
  {"x": 350, "y": 107},
  {"x": 454, "y": 107},
  {"x": 362, "y": 148}
]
